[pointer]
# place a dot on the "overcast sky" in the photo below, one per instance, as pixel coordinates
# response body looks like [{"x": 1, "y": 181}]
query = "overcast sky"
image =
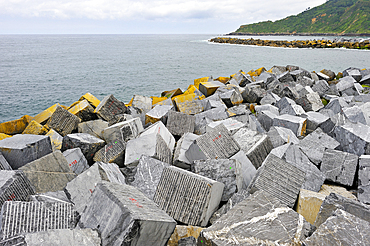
[{"x": 141, "y": 16}]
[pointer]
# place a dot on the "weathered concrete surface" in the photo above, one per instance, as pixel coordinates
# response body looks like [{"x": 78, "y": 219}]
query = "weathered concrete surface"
[
  {"x": 83, "y": 110},
  {"x": 148, "y": 175},
  {"x": 22, "y": 149},
  {"x": 126, "y": 130},
  {"x": 56, "y": 139},
  {"x": 113, "y": 152},
  {"x": 247, "y": 170},
  {"x": 109, "y": 108},
  {"x": 180, "y": 123},
  {"x": 188, "y": 197},
  {"x": 278, "y": 178},
  {"x": 49, "y": 173},
  {"x": 63, "y": 121},
  {"x": 76, "y": 160},
  {"x": 260, "y": 219},
  {"x": 35, "y": 128},
  {"x": 124, "y": 216},
  {"x": 93, "y": 127},
  {"x": 161, "y": 129}
]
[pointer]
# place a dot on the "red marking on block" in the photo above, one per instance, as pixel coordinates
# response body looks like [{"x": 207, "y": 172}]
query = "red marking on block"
[
  {"x": 135, "y": 202},
  {"x": 11, "y": 197}
]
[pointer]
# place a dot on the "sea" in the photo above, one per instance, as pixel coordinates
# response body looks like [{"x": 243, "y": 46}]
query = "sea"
[{"x": 37, "y": 71}]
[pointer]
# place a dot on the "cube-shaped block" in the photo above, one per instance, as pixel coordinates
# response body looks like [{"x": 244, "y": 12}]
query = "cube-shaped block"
[
  {"x": 44, "y": 116},
  {"x": 189, "y": 104},
  {"x": 91, "y": 99},
  {"x": 179, "y": 158},
  {"x": 161, "y": 129},
  {"x": 35, "y": 128},
  {"x": 83, "y": 110},
  {"x": 4, "y": 164},
  {"x": 63, "y": 121},
  {"x": 56, "y": 139},
  {"x": 126, "y": 130},
  {"x": 180, "y": 123},
  {"x": 309, "y": 203},
  {"x": 93, "y": 127},
  {"x": 294, "y": 123},
  {"x": 15, "y": 126},
  {"x": 76, "y": 160},
  {"x": 159, "y": 112},
  {"x": 109, "y": 108},
  {"x": 113, "y": 152}
]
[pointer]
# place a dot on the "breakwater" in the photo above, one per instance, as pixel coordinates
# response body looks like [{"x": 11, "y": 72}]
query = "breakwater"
[
  {"x": 298, "y": 34},
  {"x": 320, "y": 43}
]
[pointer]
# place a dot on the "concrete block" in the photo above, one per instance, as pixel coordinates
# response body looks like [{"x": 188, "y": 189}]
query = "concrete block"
[
  {"x": 213, "y": 101},
  {"x": 159, "y": 112},
  {"x": 63, "y": 121},
  {"x": 56, "y": 196},
  {"x": 364, "y": 179},
  {"x": 179, "y": 123},
  {"x": 214, "y": 114},
  {"x": 175, "y": 92},
  {"x": 267, "y": 107},
  {"x": 260, "y": 219},
  {"x": 365, "y": 80},
  {"x": 56, "y": 139},
  {"x": 353, "y": 138},
  {"x": 188, "y": 197},
  {"x": 15, "y": 126},
  {"x": 299, "y": 74},
  {"x": 161, "y": 129},
  {"x": 182, "y": 231},
  {"x": 266, "y": 119},
  {"x": 93, "y": 127},
  {"x": 247, "y": 170},
  {"x": 148, "y": 174},
  {"x": 44, "y": 116},
  {"x": 315, "y": 144},
  {"x": 337, "y": 105},
  {"x": 113, "y": 152},
  {"x": 231, "y": 98},
  {"x": 278, "y": 178},
  {"x": 323, "y": 76},
  {"x": 152, "y": 145},
  {"x": 34, "y": 128},
  {"x": 266, "y": 77},
  {"x": 287, "y": 90},
  {"x": 280, "y": 135},
  {"x": 284, "y": 102},
  {"x": 365, "y": 109},
  {"x": 49, "y": 173},
  {"x": 285, "y": 77},
  {"x": 109, "y": 108},
  {"x": 189, "y": 104},
  {"x": 254, "y": 124},
  {"x": 239, "y": 110},
  {"x": 125, "y": 130},
  {"x": 88, "y": 144},
  {"x": 342, "y": 228},
  {"x": 346, "y": 86},
  {"x": 309, "y": 203},
  {"x": 215, "y": 144},
  {"x": 253, "y": 94},
  {"x": 4, "y": 165},
  {"x": 76, "y": 160},
  {"x": 208, "y": 88},
  {"x": 269, "y": 98},
  {"x": 321, "y": 87},
  {"x": 315, "y": 120},
  {"x": 294, "y": 110},
  {"x": 277, "y": 70},
  {"x": 311, "y": 102},
  {"x": 22, "y": 149},
  {"x": 79, "y": 190},
  {"x": 14, "y": 186},
  {"x": 354, "y": 114},
  {"x": 124, "y": 216},
  {"x": 3, "y": 136},
  {"x": 83, "y": 110},
  {"x": 28, "y": 217},
  {"x": 179, "y": 158},
  {"x": 294, "y": 123},
  {"x": 230, "y": 124},
  {"x": 94, "y": 102},
  {"x": 334, "y": 201}
]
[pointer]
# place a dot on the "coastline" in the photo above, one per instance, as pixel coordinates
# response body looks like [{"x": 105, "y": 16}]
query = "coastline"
[{"x": 298, "y": 34}]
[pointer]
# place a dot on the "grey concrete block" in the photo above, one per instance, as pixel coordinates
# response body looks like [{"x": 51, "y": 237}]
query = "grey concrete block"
[
  {"x": 93, "y": 127},
  {"x": 280, "y": 135},
  {"x": 14, "y": 186},
  {"x": 269, "y": 98},
  {"x": 76, "y": 160},
  {"x": 109, "y": 108},
  {"x": 260, "y": 219},
  {"x": 83, "y": 110},
  {"x": 63, "y": 121},
  {"x": 315, "y": 120},
  {"x": 188, "y": 197},
  {"x": 334, "y": 201},
  {"x": 346, "y": 86},
  {"x": 363, "y": 193},
  {"x": 88, "y": 144},
  {"x": 305, "y": 81},
  {"x": 310, "y": 102},
  {"x": 148, "y": 174},
  {"x": 337, "y": 105},
  {"x": 354, "y": 114},
  {"x": 353, "y": 72},
  {"x": 55, "y": 196},
  {"x": 18, "y": 218},
  {"x": 159, "y": 112},
  {"x": 179, "y": 123},
  {"x": 231, "y": 125},
  {"x": 191, "y": 107},
  {"x": 215, "y": 144},
  {"x": 266, "y": 77},
  {"x": 56, "y": 139},
  {"x": 214, "y": 114},
  {"x": 321, "y": 87},
  {"x": 124, "y": 216},
  {"x": 253, "y": 94},
  {"x": 294, "y": 110},
  {"x": 294, "y": 123},
  {"x": 125, "y": 130},
  {"x": 79, "y": 190},
  {"x": 142, "y": 102},
  {"x": 339, "y": 167},
  {"x": 323, "y": 76},
  {"x": 247, "y": 170},
  {"x": 49, "y": 173},
  {"x": 266, "y": 107},
  {"x": 22, "y": 149},
  {"x": 113, "y": 152},
  {"x": 231, "y": 98},
  {"x": 315, "y": 144},
  {"x": 342, "y": 228},
  {"x": 258, "y": 152},
  {"x": 365, "y": 80},
  {"x": 285, "y": 77},
  {"x": 266, "y": 119},
  {"x": 179, "y": 158},
  {"x": 4, "y": 165},
  {"x": 353, "y": 138},
  {"x": 161, "y": 129},
  {"x": 278, "y": 178},
  {"x": 366, "y": 110},
  {"x": 284, "y": 102}
]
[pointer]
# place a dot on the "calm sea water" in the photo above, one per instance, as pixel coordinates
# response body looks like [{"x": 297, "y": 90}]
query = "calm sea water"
[{"x": 37, "y": 71}]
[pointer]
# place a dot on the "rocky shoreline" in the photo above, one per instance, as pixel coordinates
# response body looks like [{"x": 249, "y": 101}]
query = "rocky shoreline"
[
  {"x": 265, "y": 157},
  {"x": 298, "y": 34},
  {"x": 348, "y": 43}
]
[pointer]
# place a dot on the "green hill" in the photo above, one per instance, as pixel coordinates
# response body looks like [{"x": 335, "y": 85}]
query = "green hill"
[{"x": 334, "y": 16}]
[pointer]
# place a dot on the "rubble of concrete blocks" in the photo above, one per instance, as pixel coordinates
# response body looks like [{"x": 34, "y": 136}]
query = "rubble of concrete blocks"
[{"x": 272, "y": 140}]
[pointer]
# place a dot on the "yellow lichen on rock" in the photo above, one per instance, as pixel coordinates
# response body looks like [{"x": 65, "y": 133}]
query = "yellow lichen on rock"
[
  {"x": 187, "y": 103},
  {"x": 260, "y": 70},
  {"x": 208, "y": 88},
  {"x": 15, "y": 126},
  {"x": 172, "y": 93},
  {"x": 45, "y": 115},
  {"x": 91, "y": 99},
  {"x": 198, "y": 81},
  {"x": 56, "y": 139},
  {"x": 182, "y": 231},
  {"x": 309, "y": 203},
  {"x": 3, "y": 136},
  {"x": 35, "y": 128},
  {"x": 223, "y": 79},
  {"x": 156, "y": 100},
  {"x": 327, "y": 189}
]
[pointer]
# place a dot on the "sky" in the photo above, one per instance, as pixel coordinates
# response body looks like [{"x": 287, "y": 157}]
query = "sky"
[{"x": 141, "y": 16}]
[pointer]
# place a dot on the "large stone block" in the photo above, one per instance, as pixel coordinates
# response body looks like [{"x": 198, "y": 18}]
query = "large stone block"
[
  {"x": 44, "y": 116},
  {"x": 315, "y": 120},
  {"x": 180, "y": 123},
  {"x": 19, "y": 218},
  {"x": 230, "y": 124},
  {"x": 83, "y": 110},
  {"x": 15, "y": 126},
  {"x": 266, "y": 119},
  {"x": 208, "y": 88},
  {"x": 79, "y": 190},
  {"x": 189, "y": 103},
  {"x": 231, "y": 98},
  {"x": 91, "y": 99},
  {"x": 214, "y": 114},
  {"x": 334, "y": 201},
  {"x": 63, "y": 121},
  {"x": 88, "y": 144},
  {"x": 22, "y": 149},
  {"x": 188, "y": 197},
  {"x": 309, "y": 203},
  {"x": 346, "y": 86},
  {"x": 14, "y": 186},
  {"x": 326, "y": 189},
  {"x": 311, "y": 102},
  {"x": 113, "y": 152},
  {"x": 93, "y": 127},
  {"x": 339, "y": 167},
  {"x": 124, "y": 216},
  {"x": 294, "y": 123},
  {"x": 215, "y": 144},
  {"x": 342, "y": 228},
  {"x": 76, "y": 160},
  {"x": 182, "y": 232},
  {"x": 364, "y": 179},
  {"x": 269, "y": 98},
  {"x": 142, "y": 102},
  {"x": 280, "y": 135},
  {"x": 161, "y": 129},
  {"x": 260, "y": 219},
  {"x": 354, "y": 114},
  {"x": 179, "y": 157},
  {"x": 35, "y": 128},
  {"x": 278, "y": 178},
  {"x": 125, "y": 130},
  {"x": 321, "y": 87},
  {"x": 109, "y": 108},
  {"x": 49, "y": 173},
  {"x": 56, "y": 139},
  {"x": 55, "y": 196},
  {"x": 147, "y": 176},
  {"x": 4, "y": 164},
  {"x": 159, "y": 112},
  {"x": 247, "y": 170}
]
